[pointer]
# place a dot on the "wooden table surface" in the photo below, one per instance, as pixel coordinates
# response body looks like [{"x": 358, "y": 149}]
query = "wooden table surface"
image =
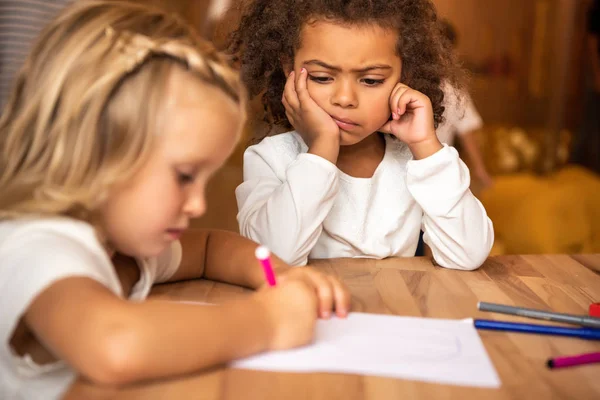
[{"x": 415, "y": 287}]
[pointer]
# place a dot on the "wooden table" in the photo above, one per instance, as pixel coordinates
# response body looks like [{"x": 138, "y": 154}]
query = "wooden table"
[{"x": 415, "y": 287}]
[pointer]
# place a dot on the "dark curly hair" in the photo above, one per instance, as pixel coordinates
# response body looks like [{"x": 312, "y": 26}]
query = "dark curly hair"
[{"x": 269, "y": 32}]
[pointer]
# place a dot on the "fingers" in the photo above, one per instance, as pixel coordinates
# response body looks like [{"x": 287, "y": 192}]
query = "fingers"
[
  {"x": 409, "y": 99},
  {"x": 331, "y": 293},
  {"x": 303, "y": 95},
  {"x": 290, "y": 97},
  {"x": 397, "y": 107},
  {"x": 295, "y": 93},
  {"x": 324, "y": 291},
  {"x": 288, "y": 111},
  {"x": 341, "y": 296},
  {"x": 386, "y": 128}
]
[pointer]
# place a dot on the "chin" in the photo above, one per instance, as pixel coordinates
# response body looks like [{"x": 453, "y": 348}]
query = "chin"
[
  {"x": 348, "y": 139},
  {"x": 150, "y": 251}
]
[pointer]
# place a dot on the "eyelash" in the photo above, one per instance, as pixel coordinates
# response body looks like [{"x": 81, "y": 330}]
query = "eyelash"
[
  {"x": 319, "y": 79},
  {"x": 184, "y": 179},
  {"x": 323, "y": 80},
  {"x": 376, "y": 82}
]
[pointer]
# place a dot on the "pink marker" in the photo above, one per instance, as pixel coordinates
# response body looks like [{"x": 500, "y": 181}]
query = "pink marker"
[
  {"x": 264, "y": 256},
  {"x": 570, "y": 361}
]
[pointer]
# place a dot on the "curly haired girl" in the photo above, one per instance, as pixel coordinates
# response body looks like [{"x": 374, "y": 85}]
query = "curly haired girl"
[{"x": 362, "y": 84}]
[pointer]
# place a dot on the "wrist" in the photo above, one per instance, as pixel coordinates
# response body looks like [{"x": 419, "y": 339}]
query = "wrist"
[
  {"x": 328, "y": 149},
  {"x": 263, "y": 318},
  {"x": 425, "y": 148},
  {"x": 281, "y": 269}
]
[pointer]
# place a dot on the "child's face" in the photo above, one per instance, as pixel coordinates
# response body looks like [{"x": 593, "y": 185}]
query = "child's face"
[
  {"x": 351, "y": 73},
  {"x": 200, "y": 128}
]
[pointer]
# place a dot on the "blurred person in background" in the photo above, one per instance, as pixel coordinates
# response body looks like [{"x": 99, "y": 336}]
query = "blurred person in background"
[{"x": 462, "y": 120}]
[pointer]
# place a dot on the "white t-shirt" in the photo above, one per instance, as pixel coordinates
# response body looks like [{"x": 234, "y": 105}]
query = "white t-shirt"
[
  {"x": 36, "y": 253},
  {"x": 460, "y": 115},
  {"x": 301, "y": 205}
]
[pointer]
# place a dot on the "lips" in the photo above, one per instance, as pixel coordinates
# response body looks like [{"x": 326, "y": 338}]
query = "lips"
[
  {"x": 344, "y": 120},
  {"x": 344, "y": 123},
  {"x": 175, "y": 233}
]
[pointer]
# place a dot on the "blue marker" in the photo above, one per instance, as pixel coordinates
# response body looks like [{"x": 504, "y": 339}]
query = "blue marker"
[{"x": 582, "y": 333}]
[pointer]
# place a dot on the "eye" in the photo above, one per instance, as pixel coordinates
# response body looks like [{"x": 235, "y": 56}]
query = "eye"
[
  {"x": 373, "y": 82},
  {"x": 319, "y": 79},
  {"x": 184, "y": 178}
]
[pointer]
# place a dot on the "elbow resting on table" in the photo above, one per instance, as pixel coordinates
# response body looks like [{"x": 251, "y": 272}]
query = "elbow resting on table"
[
  {"x": 473, "y": 262},
  {"x": 470, "y": 263},
  {"x": 469, "y": 259},
  {"x": 113, "y": 360}
]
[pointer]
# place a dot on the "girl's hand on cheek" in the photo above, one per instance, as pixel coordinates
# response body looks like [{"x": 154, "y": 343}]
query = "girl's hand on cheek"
[
  {"x": 412, "y": 121},
  {"x": 318, "y": 129}
]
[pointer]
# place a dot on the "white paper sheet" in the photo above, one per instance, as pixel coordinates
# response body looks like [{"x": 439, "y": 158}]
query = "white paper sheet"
[{"x": 424, "y": 349}]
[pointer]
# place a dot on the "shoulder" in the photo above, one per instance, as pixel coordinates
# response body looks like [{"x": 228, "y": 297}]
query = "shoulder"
[
  {"x": 36, "y": 253},
  {"x": 273, "y": 155},
  {"x": 53, "y": 248},
  {"x": 65, "y": 230},
  {"x": 283, "y": 145}
]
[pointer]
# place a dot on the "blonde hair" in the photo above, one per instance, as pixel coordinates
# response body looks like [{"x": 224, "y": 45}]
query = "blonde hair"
[{"x": 83, "y": 111}]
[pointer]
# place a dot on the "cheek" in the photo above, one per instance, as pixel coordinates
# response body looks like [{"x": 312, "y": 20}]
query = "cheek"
[
  {"x": 321, "y": 94},
  {"x": 176, "y": 195},
  {"x": 160, "y": 197},
  {"x": 377, "y": 105}
]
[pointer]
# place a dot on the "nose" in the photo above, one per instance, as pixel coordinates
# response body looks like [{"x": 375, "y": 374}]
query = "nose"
[
  {"x": 195, "y": 205},
  {"x": 344, "y": 94}
]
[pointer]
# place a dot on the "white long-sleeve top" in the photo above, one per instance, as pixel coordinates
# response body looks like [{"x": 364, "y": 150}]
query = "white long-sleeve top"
[{"x": 301, "y": 205}]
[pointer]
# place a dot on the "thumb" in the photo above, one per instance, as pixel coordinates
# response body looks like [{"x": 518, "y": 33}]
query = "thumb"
[{"x": 386, "y": 128}]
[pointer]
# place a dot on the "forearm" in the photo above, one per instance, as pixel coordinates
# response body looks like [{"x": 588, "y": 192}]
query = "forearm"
[
  {"x": 113, "y": 341},
  {"x": 463, "y": 238},
  {"x": 167, "y": 339},
  {"x": 326, "y": 149},
  {"x": 230, "y": 258},
  {"x": 290, "y": 236},
  {"x": 456, "y": 225},
  {"x": 287, "y": 215},
  {"x": 221, "y": 256}
]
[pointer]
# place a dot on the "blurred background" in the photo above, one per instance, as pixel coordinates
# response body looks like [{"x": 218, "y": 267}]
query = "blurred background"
[{"x": 535, "y": 82}]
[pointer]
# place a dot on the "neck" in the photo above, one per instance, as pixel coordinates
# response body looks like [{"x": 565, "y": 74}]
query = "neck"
[
  {"x": 361, "y": 160},
  {"x": 372, "y": 143},
  {"x": 102, "y": 238}
]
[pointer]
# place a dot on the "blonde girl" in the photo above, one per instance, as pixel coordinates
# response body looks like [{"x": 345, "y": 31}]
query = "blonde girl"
[{"x": 117, "y": 120}]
